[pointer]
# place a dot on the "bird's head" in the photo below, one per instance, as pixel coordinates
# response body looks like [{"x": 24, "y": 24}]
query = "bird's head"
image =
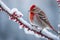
[{"x": 34, "y": 9}]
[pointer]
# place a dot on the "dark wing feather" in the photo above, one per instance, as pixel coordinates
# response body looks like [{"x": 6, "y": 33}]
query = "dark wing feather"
[{"x": 44, "y": 18}]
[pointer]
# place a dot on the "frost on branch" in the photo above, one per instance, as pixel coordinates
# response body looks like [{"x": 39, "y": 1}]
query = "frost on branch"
[
  {"x": 16, "y": 13},
  {"x": 16, "y": 16}
]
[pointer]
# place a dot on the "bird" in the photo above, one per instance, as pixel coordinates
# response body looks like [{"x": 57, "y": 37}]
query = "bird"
[{"x": 38, "y": 18}]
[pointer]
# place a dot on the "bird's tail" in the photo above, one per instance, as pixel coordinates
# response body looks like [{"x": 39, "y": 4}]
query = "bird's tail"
[{"x": 53, "y": 29}]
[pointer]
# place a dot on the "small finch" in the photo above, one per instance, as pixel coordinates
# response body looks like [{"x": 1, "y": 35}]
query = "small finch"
[{"x": 38, "y": 18}]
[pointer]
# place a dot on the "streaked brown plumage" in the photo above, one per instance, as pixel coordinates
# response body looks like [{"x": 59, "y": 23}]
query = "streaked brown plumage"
[{"x": 39, "y": 18}]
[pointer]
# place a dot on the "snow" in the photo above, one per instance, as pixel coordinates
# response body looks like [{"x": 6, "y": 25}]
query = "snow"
[
  {"x": 32, "y": 33},
  {"x": 44, "y": 31},
  {"x": 11, "y": 11},
  {"x": 17, "y": 12},
  {"x": 49, "y": 34},
  {"x": 29, "y": 25},
  {"x": 4, "y": 6}
]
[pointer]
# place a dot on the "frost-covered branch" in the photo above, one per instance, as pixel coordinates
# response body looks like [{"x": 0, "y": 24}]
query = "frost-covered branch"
[{"x": 16, "y": 16}]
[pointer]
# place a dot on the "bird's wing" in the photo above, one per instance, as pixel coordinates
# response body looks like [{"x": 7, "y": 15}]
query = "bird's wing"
[{"x": 44, "y": 18}]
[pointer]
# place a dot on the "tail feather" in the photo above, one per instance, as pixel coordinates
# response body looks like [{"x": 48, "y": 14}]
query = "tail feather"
[{"x": 53, "y": 29}]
